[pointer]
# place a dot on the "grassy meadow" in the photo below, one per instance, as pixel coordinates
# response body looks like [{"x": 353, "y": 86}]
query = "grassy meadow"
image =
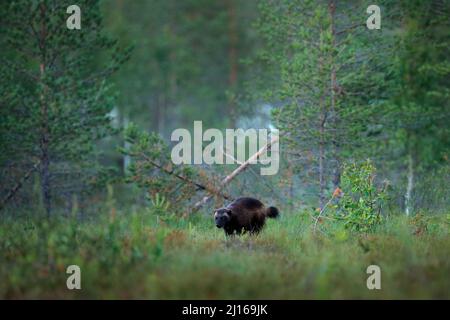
[{"x": 144, "y": 255}]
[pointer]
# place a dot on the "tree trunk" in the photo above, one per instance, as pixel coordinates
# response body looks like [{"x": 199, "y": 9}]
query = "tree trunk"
[
  {"x": 126, "y": 158},
  {"x": 323, "y": 119},
  {"x": 161, "y": 111},
  {"x": 333, "y": 92},
  {"x": 45, "y": 132},
  {"x": 232, "y": 59},
  {"x": 410, "y": 184},
  {"x": 322, "y": 164},
  {"x": 45, "y": 177}
]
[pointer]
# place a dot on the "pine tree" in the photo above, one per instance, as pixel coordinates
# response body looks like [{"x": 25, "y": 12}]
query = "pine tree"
[
  {"x": 328, "y": 83},
  {"x": 53, "y": 92},
  {"x": 418, "y": 113}
]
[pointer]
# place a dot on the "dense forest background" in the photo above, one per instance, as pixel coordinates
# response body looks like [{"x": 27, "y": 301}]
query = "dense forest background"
[
  {"x": 338, "y": 92},
  {"x": 86, "y": 115}
]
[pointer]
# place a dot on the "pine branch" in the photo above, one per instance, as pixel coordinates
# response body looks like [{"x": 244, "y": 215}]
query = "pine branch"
[
  {"x": 356, "y": 25},
  {"x": 19, "y": 185},
  {"x": 185, "y": 179}
]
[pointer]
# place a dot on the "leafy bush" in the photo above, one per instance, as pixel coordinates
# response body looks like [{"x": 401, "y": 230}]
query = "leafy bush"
[{"x": 361, "y": 201}]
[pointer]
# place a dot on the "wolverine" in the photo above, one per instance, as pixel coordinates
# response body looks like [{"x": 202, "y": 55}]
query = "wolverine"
[{"x": 244, "y": 215}]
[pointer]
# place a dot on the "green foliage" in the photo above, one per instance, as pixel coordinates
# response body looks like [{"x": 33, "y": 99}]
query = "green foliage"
[
  {"x": 159, "y": 204},
  {"x": 416, "y": 114},
  {"x": 162, "y": 209},
  {"x": 337, "y": 91},
  {"x": 179, "y": 71},
  {"x": 152, "y": 170},
  {"x": 54, "y": 95},
  {"x": 361, "y": 202},
  {"x": 307, "y": 44}
]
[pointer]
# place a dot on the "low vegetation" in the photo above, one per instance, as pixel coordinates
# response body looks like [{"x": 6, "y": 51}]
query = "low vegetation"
[{"x": 141, "y": 254}]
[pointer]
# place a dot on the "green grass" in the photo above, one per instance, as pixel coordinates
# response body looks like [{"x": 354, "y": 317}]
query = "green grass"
[{"x": 138, "y": 255}]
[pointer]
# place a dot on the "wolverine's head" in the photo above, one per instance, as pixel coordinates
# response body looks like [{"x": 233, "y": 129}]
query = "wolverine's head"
[{"x": 222, "y": 216}]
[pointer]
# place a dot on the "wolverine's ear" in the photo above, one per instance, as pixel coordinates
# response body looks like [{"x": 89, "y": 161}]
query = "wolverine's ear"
[{"x": 228, "y": 211}]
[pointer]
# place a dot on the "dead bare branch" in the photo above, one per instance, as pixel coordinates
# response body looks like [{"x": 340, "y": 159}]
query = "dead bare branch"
[{"x": 238, "y": 170}]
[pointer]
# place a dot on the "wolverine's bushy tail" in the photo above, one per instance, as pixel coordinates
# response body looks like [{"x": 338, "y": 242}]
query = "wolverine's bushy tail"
[{"x": 272, "y": 212}]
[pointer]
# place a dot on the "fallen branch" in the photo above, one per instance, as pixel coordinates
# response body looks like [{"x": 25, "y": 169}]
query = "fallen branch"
[
  {"x": 238, "y": 170},
  {"x": 251, "y": 170}
]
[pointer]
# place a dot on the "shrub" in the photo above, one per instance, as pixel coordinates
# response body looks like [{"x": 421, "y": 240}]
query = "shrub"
[{"x": 361, "y": 201}]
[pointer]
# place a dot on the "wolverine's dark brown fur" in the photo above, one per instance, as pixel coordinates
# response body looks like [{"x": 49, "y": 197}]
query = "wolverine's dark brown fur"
[{"x": 243, "y": 214}]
